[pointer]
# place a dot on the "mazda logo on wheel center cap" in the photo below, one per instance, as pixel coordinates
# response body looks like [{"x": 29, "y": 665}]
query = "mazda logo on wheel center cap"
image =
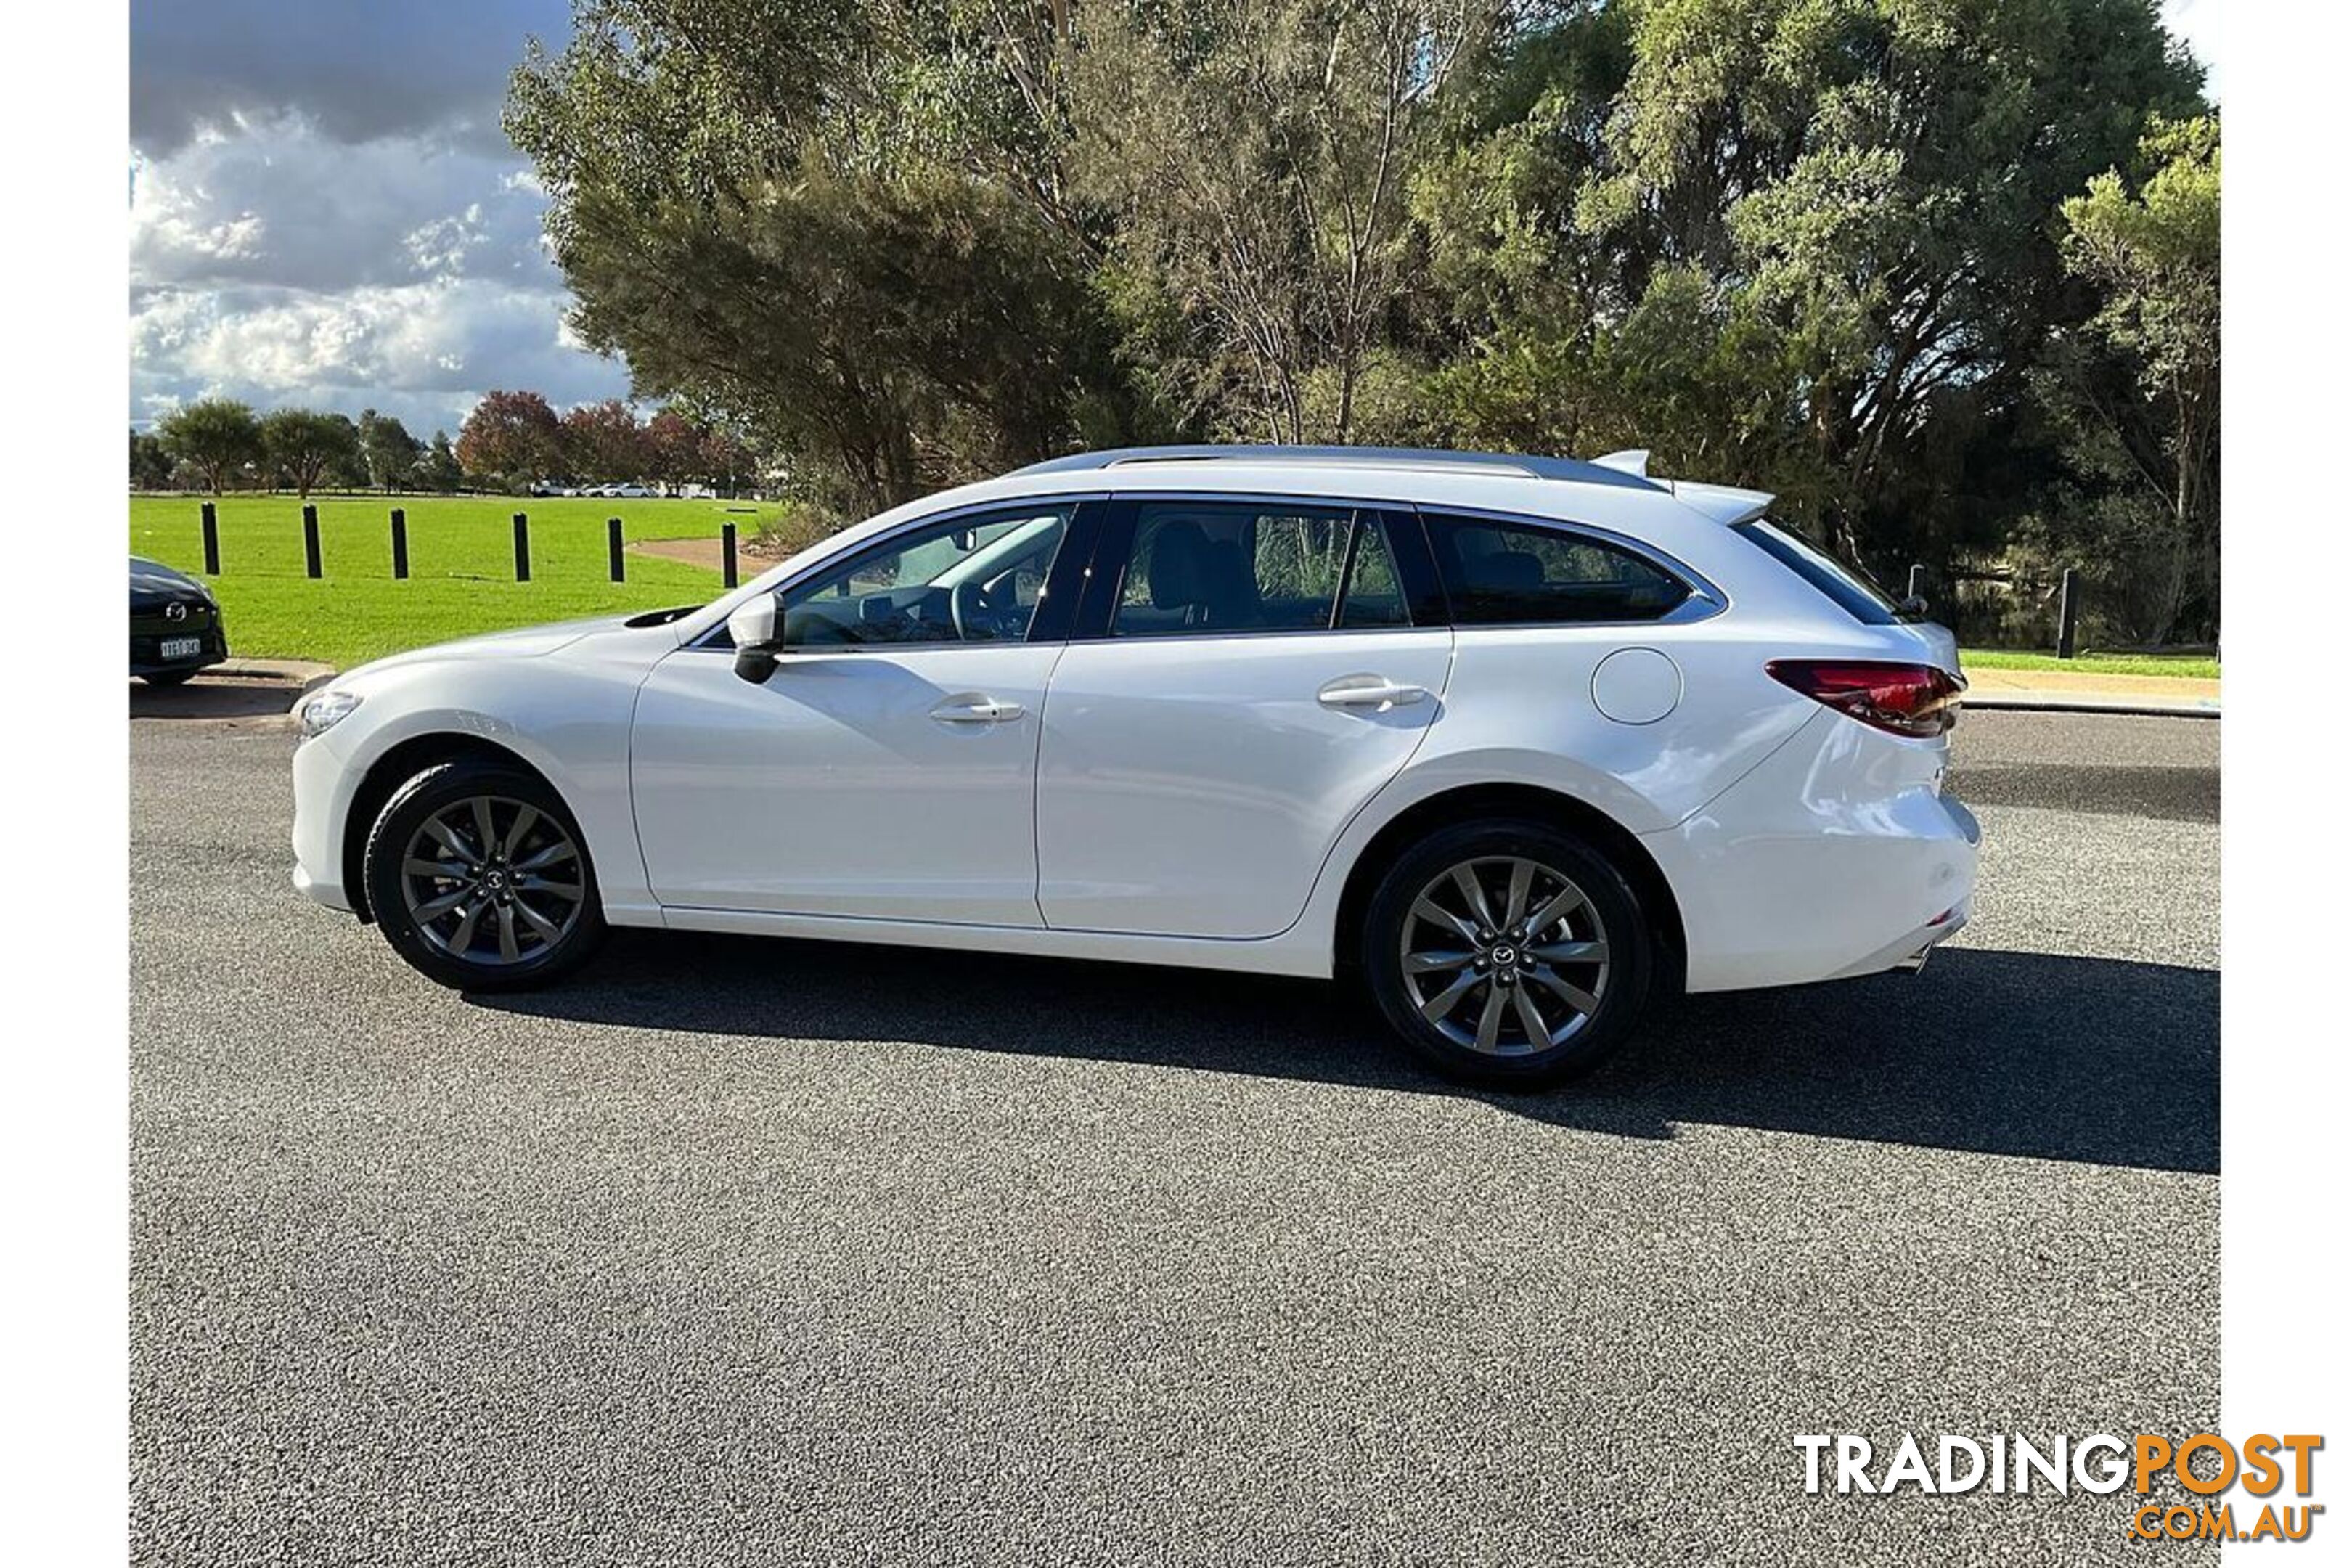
[{"x": 1505, "y": 955}]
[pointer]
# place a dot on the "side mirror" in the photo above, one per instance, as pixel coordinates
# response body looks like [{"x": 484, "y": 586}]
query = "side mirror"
[{"x": 753, "y": 628}]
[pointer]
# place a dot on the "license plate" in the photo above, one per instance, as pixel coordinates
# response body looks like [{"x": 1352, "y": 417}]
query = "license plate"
[{"x": 182, "y": 647}]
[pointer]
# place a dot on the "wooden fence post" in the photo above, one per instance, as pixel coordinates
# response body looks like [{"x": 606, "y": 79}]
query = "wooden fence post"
[
  {"x": 212, "y": 541},
  {"x": 2069, "y": 606},
  {"x": 310, "y": 566},
  {"x": 727, "y": 552},
  {"x": 399, "y": 542},
  {"x": 523, "y": 547},
  {"x": 612, "y": 545}
]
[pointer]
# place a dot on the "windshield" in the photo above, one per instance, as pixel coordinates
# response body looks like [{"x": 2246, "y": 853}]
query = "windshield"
[{"x": 1850, "y": 586}]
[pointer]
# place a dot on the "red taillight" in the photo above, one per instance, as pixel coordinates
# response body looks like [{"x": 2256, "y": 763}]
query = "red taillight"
[{"x": 1913, "y": 700}]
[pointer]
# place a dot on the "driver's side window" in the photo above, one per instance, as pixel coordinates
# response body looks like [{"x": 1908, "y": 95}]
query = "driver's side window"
[{"x": 975, "y": 578}]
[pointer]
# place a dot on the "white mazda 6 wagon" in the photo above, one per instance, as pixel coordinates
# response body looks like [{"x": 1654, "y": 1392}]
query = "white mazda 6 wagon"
[{"x": 1508, "y": 744}]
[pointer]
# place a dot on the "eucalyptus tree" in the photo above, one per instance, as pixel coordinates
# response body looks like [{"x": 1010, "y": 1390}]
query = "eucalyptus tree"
[
  {"x": 2137, "y": 394},
  {"x": 1802, "y": 243}
]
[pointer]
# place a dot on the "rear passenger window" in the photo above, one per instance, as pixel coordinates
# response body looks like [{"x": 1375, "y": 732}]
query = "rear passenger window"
[
  {"x": 1204, "y": 567},
  {"x": 1498, "y": 573}
]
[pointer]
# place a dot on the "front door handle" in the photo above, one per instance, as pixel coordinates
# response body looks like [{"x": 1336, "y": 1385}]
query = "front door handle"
[
  {"x": 972, "y": 708},
  {"x": 1376, "y": 692}
]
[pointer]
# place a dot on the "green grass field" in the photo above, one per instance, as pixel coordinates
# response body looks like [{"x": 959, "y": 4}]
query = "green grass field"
[
  {"x": 2196, "y": 667},
  {"x": 460, "y": 558}
]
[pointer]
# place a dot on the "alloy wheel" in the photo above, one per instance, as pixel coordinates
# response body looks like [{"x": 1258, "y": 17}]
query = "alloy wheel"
[
  {"x": 1504, "y": 955},
  {"x": 492, "y": 880}
]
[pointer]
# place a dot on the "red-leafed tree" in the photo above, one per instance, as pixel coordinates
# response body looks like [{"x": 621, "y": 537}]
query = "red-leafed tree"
[
  {"x": 511, "y": 436},
  {"x": 675, "y": 445},
  {"x": 604, "y": 441},
  {"x": 728, "y": 462}
]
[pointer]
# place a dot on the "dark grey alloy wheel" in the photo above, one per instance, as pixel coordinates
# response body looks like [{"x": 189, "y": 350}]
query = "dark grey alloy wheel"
[
  {"x": 480, "y": 878},
  {"x": 492, "y": 880},
  {"x": 1509, "y": 954},
  {"x": 1504, "y": 955}
]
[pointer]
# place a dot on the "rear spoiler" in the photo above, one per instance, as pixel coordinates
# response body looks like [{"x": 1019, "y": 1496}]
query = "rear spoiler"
[{"x": 1721, "y": 503}]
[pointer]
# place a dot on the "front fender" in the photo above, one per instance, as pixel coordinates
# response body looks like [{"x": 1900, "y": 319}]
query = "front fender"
[{"x": 567, "y": 716}]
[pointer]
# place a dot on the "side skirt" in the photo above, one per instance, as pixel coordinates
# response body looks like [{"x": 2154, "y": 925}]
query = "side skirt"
[{"x": 1284, "y": 954}]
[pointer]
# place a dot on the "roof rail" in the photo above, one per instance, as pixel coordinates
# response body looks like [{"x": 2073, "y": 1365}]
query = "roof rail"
[{"x": 1570, "y": 468}]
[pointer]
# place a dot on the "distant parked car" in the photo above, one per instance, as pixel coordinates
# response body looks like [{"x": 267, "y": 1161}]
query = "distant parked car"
[
  {"x": 628, "y": 493},
  {"x": 175, "y": 625},
  {"x": 1505, "y": 743}
]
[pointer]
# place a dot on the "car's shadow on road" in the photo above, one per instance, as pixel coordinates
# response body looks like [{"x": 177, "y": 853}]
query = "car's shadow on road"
[{"x": 2005, "y": 1053}]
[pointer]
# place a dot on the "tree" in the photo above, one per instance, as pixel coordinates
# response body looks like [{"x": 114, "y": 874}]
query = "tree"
[
  {"x": 726, "y": 460},
  {"x": 1799, "y": 244},
  {"x": 301, "y": 445},
  {"x": 389, "y": 451},
  {"x": 439, "y": 471},
  {"x": 820, "y": 223},
  {"x": 509, "y": 438},
  {"x": 674, "y": 445},
  {"x": 1257, "y": 158},
  {"x": 1811, "y": 246},
  {"x": 216, "y": 435},
  {"x": 604, "y": 441},
  {"x": 347, "y": 470},
  {"x": 151, "y": 464},
  {"x": 2137, "y": 395}
]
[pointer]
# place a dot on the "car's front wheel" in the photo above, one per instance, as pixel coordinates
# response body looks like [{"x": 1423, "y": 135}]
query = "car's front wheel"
[
  {"x": 1508, "y": 953},
  {"x": 479, "y": 878}
]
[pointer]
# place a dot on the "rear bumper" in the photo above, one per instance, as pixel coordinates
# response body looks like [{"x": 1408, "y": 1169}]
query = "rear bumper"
[
  {"x": 1838, "y": 856},
  {"x": 1909, "y": 951}
]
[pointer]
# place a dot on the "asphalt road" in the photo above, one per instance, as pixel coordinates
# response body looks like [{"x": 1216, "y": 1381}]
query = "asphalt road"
[{"x": 764, "y": 1252}]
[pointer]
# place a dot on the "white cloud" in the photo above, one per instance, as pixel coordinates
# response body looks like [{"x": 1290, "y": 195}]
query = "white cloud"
[
  {"x": 404, "y": 273},
  {"x": 324, "y": 211},
  {"x": 408, "y": 349}
]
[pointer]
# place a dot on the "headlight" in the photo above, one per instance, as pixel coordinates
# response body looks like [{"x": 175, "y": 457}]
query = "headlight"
[{"x": 323, "y": 711}]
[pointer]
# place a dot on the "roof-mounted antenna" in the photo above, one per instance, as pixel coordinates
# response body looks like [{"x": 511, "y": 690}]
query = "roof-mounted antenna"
[{"x": 1634, "y": 461}]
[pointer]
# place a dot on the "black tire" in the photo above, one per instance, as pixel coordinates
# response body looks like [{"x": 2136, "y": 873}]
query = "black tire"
[
  {"x": 170, "y": 678},
  {"x": 1616, "y": 978},
  {"x": 467, "y": 956}
]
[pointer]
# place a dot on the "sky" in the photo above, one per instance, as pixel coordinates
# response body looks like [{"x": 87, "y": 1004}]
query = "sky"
[{"x": 325, "y": 213}]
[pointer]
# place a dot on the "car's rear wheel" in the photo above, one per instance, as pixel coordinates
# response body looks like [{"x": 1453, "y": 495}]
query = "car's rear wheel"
[
  {"x": 1508, "y": 953},
  {"x": 479, "y": 878}
]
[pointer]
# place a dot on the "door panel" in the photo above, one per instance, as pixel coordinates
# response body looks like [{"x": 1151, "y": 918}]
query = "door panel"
[
  {"x": 884, "y": 782},
  {"x": 1193, "y": 785}
]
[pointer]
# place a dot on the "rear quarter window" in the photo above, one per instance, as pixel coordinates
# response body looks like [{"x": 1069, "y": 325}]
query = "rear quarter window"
[{"x": 1508, "y": 573}]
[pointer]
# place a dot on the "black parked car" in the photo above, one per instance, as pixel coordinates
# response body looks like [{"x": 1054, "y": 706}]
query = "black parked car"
[{"x": 175, "y": 625}]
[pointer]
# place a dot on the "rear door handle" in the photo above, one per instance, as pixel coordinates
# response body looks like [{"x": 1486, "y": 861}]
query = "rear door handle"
[
  {"x": 974, "y": 708},
  {"x": 1373, "y": 691}
]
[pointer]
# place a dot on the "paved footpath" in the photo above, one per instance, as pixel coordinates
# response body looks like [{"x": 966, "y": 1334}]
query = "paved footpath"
[{"x": 2067, "y": 690}]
